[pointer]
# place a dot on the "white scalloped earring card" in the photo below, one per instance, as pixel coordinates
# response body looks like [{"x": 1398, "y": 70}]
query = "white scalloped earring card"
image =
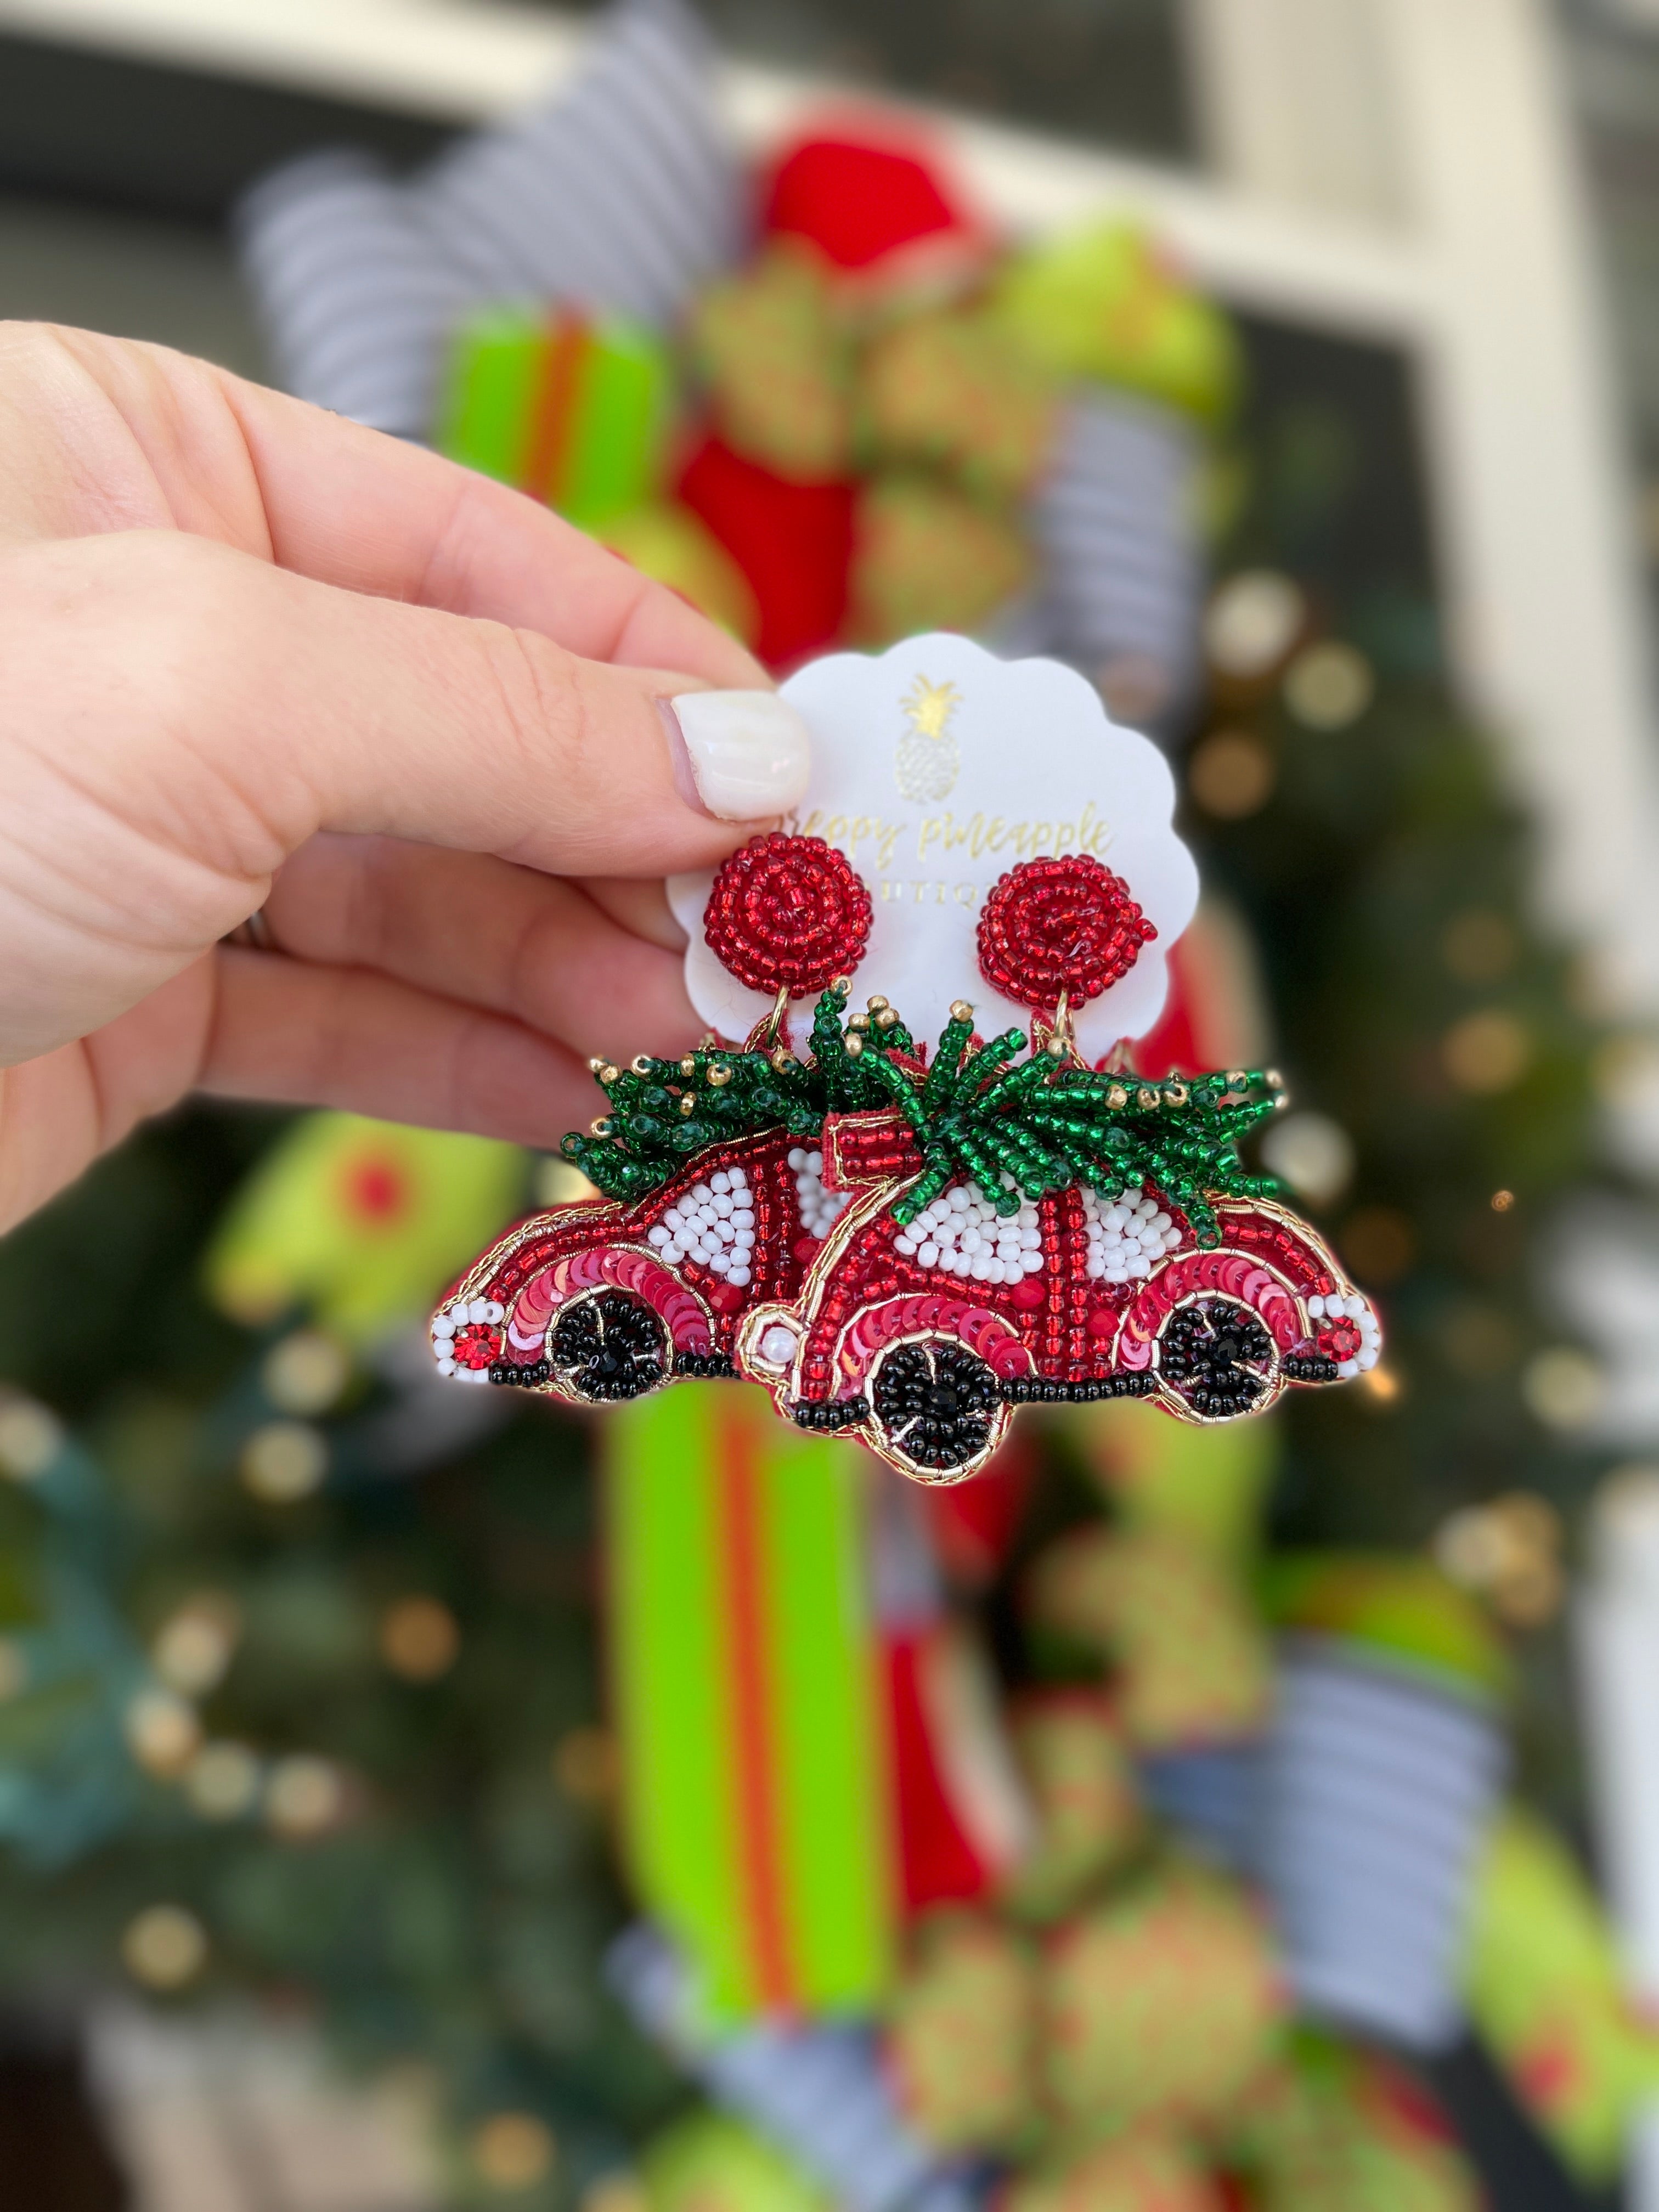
[{"x": 937, "y": 768}]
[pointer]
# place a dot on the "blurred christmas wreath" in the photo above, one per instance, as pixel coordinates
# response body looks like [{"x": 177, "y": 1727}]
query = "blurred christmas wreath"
[{"x": 821, "y": 398}]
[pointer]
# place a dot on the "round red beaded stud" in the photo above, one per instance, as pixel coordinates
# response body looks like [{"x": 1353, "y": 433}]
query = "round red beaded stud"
[
  {"x": 1066, "y": 925},
  {"x": 787, "y": 914}
]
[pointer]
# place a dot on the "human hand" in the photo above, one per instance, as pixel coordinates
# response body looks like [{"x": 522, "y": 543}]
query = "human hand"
[{"x": 257, "y": 657}]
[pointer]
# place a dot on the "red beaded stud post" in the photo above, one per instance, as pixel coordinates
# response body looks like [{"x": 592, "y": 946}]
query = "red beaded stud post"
[
  {"x": 1066, "y": 926},
  {"x": 787, "y": 914}
]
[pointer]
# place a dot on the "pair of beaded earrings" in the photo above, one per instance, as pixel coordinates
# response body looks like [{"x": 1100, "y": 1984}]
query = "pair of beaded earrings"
[{"x": 904, "y": 1247}]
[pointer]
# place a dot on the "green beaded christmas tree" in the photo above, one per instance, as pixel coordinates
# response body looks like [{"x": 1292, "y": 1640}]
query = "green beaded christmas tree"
[{"x": 1014, "y": 1130}]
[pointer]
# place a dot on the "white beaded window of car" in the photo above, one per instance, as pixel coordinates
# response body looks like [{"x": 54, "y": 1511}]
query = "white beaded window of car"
[
  {"x": 820, "y": 1209},
  {"x": 713, "y": 1224},
  {"x": 1127, "y": 1235},
  {"x": 961, "y": 1233}
]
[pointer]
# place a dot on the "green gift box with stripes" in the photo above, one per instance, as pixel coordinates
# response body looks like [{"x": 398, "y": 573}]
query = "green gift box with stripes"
[
  {"x": 572, "y": 409},
  {"x": 747, "y": 1684}
]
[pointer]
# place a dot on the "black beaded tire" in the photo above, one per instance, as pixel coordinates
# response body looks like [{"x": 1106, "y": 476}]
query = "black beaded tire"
[
  {"x": 609, "y": 1346},
  {"x": 937, "y": 1406},
  {"x": 1216, "y": 1357}
]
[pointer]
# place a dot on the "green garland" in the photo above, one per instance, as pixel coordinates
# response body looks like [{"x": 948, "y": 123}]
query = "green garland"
[{"x": 1014, "y": 1130}]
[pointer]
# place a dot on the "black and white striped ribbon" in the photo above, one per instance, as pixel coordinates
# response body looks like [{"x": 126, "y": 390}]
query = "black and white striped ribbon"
[
  {"x": 621, "y": 195},
  {"x": 1375, "y": 1793},
  {"x": 816, "y": 2091},
  {"x": 1115, "y": 519}
]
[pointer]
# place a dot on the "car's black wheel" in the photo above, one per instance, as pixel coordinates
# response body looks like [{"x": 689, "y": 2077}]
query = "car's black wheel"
[
  {"x": 1217, "y": 1357},
  {"x": 938, "y": 1405},
  {"x": 607, "y": 1345}
]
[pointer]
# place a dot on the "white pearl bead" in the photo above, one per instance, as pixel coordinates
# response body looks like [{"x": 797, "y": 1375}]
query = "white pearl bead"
[
  {"x": 443, "y": 1325},
  {"x": 928, "y": 1256}
]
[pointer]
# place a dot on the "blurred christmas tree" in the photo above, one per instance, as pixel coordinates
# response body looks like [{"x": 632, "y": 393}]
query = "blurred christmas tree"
[
  {"x": 300, "y": 1672},
  {"x": 1441, "y": 1047}
]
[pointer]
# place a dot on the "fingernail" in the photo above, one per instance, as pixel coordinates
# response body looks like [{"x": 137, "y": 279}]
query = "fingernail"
[{"x": 748, "y": 751}]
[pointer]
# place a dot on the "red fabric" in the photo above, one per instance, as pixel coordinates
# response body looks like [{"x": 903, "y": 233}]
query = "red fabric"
[
  {"x": 858, "y": 202},
  {"x": 1174, "y": 1046},
  {"x": 793, "y": 542},
  {"x": 937, "y": 1863},
  {"x": 973, "y": 1523}
]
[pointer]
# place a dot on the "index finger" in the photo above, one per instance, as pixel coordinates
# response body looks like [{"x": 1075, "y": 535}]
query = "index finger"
[
  {"x": 174, "y": 442},
  {"x": 353, "y": 508}
]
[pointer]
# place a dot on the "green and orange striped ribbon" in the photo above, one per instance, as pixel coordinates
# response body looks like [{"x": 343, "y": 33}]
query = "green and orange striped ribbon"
[{"x": 746, "y": 1682}]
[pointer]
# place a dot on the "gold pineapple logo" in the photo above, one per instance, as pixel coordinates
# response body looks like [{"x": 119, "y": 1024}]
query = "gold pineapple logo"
[{"x": 926, "y": 763}]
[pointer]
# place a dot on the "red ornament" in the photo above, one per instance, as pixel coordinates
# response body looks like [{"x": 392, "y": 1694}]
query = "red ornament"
[
  {"x": 865, "y": 200},
  {"x": 787, "y": 914},
  {"x": 1064, "y": 925}
]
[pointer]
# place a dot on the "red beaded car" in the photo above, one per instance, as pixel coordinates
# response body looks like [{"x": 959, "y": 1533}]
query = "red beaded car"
[
  {"x": 922, "y": 1339},
  {"x": 785, "y": 1265},
  {"x": 603, "y": 1301}
]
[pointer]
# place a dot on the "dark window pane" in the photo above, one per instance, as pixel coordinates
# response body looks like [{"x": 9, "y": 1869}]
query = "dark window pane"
[{"x": 1109, "y": 71}]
